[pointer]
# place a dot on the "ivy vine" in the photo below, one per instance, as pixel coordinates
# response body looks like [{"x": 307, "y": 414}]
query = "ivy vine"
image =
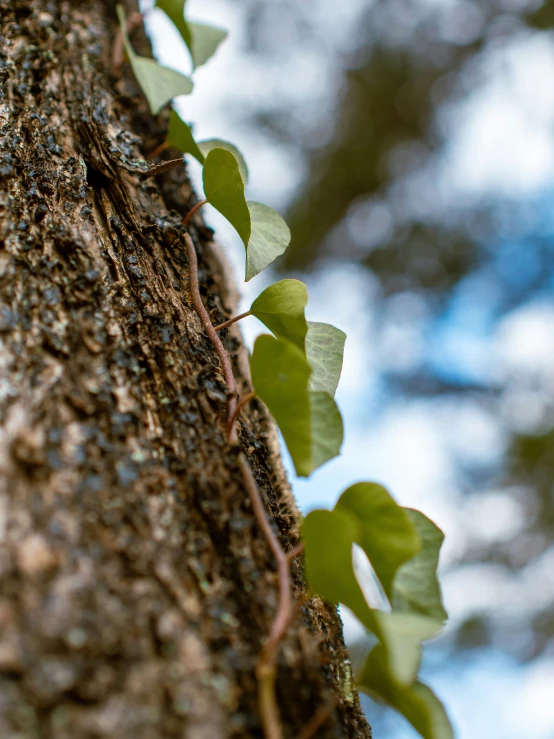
[{"x": 295, "y": 371}]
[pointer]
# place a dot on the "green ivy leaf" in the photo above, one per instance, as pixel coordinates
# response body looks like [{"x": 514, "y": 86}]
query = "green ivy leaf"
[
  {"x": 159, "y": 84},
  {"x": 180, "y": 137},
  {"x": 416, "y": 587},
  {"x": 280, "y": 375},
  {"x": 280, "y": 307},
  {"x": 328, "y": 540},
  {"x": 202, "y": 40},
  {"x": 385, "y": 531},
  {"x": 224, "y": 189},
  {"x": 209, "y": 144},
  {"x": 270, "y": 238},
  {"x": 325, "y": 351},
  {"x": 205, "y": 41},
  {"x": 417, "y": 703}
]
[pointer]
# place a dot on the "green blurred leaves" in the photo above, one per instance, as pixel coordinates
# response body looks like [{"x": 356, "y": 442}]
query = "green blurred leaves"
[
  {"x": 159, "y": 84},
  {"x": 202, "y": 40}
]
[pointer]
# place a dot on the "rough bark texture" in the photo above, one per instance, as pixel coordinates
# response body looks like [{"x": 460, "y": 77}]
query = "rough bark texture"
[{"x": 136, "y": 590}]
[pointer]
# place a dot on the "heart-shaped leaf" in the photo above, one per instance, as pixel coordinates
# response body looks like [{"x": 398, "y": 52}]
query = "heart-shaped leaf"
[
  {"x": 385, "y": 532},
  {"x": 159, "y": 84},
  {"x": 328, "y": 541},
  {"x": 224, "y": 189},
  {"x": 270, "y": 238},
  {"x": 417, "y": 703},
  {"x": 281, "y": 308},
  {"x": 416, "y": 587},
  {"x": 325, "y": 350},
  {"x": 280, "y": 375},
  {"x": 202, "y": 40}
]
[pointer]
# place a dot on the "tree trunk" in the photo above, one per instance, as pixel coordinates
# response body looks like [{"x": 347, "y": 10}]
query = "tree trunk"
[{"x": 136, "y": 587}]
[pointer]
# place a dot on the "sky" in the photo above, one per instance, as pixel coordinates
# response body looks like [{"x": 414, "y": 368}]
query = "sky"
[{"x": 500, "y": 144}]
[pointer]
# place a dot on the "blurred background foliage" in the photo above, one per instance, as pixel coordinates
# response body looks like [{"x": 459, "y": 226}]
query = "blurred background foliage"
[{"x": 374, "y": 190}]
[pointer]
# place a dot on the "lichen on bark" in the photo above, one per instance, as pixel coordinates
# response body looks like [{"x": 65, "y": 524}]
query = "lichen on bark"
[{"x": 135, "y": 587}]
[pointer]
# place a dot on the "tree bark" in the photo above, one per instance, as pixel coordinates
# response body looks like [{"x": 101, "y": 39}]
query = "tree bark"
[{"x": 136, "y": 588}]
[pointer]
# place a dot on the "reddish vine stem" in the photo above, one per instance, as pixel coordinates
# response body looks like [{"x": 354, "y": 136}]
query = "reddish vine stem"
[
  {"x": 158, "y": 150},
  {"x": 186, "y": 222},
  {"x": 317, "y": 720},
  {"x": 295, "y": 551},
  {"x": 242, "y": 402},
  {"x": 210, "y": 330},
  {"x": 266, "y": 669},
  {"x": 233, "y": 320}
]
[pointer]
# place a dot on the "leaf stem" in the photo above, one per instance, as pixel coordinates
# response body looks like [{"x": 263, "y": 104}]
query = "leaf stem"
[
  {"x": 189, "y": 215},
  {"x": 118, "y": 50},
  {"x": 158, "y": 150},
  {"x": 233, "y": 320},
  {"x": 266, "y": 668}
]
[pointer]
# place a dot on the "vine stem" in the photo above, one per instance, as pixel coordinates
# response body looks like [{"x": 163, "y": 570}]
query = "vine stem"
[
  {"x": 233, "y": 320},
  {"x": 242, "y": 402},
  {"x": 186, "y": 222},
  {"x": 210, "y": 330},
  {"x": 118, "y": 50},
  {"x": 266, "y": 669}
]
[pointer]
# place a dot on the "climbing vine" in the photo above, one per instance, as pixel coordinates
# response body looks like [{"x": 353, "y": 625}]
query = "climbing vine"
[{"x": 295, "y": 371}]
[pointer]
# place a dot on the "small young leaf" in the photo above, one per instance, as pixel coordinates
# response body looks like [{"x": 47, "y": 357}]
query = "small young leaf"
[
  {"x": 209, "y": 144},
  {"x": 180, "y": 137},
  {"x": 202, "y": 40},
  {"x": 386, "y": 533},
  {"x": 281, "y": 308},
  {"x": 205, "y": 41},
  {"x": 325, "y": 350},
  {"x": 311, "y": 424},
  {"x": 417, "y": 703},
  {"x": 270, "y": 238},
  {"x": 159, "y": 84},
  {"x": 224, "y": 189},
  {"x": 416, "y": 587}
]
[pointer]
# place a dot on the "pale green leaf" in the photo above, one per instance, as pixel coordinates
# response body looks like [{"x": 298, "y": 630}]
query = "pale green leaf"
[
  {"x": 270, "y": 238},
  {"x": 224, "y": 189},
  {"x": 386, "y": 533},
  {"x": 325, "y": 350},
  {"x": 202, "y": 40},
  {"x": 159, "y": 84},
  {"x": 205, "y": 41},
  {"x": 209, "y": 144},
  {"x": 281, "y": 308},
  {"x": 326, "y": 427},
  {"x": 311, "y": 424},
  {"x": 417, "y": 703},
  {"x": 401, "y": 635},
  {"x": 180, "y": 137},
  {"x": 416, "y": 587}
]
